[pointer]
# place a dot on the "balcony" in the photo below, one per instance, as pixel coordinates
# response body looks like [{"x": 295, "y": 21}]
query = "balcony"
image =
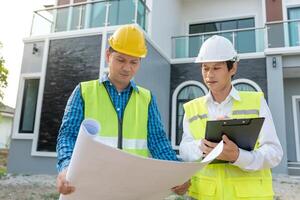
[
  {"x": 280, "y": 36},
  {"x": 283, "y": 34},
  {"x": 91, "y": 14},
  {"x": 248, "y": 40}
]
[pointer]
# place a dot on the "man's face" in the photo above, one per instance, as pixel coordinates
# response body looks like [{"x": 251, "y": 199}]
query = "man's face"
[
  {"x": 216, "y": 75},
  {"x": 122, "y": 67}
]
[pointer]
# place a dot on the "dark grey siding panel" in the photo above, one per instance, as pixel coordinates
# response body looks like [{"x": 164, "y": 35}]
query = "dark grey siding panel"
[
  {"x": 154, "y": 74},
  {"x": 291, "y": 88},
  {"x": 255, "y": 70},
  {"x": 70, "y": 61},
  {"x": 276, "y": 35},
  {"x": 184, "y": 72},
  {"x": 21, "y": 161}
]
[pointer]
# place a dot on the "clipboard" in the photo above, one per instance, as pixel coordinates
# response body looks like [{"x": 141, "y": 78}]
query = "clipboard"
[{"x": 243, "y": 132}]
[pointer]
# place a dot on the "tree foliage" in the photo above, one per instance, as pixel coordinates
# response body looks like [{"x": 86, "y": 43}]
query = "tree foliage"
[{"x": 3, "y": 75}]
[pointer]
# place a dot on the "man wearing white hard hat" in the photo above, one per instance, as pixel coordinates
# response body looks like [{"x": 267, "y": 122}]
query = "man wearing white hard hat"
[{"x": 247, "y": 174}]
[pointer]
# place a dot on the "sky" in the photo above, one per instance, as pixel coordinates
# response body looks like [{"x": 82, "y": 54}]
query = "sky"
[{"x": 15, "y": 24}]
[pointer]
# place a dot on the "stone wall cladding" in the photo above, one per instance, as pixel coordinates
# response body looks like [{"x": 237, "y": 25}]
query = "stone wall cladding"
[{"x": 70, "y": 61}]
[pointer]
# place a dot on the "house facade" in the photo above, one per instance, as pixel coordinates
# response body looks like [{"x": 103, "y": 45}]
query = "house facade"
[
  {"x": 67, "y": 45},
  {"x": 6, "y": 120}
]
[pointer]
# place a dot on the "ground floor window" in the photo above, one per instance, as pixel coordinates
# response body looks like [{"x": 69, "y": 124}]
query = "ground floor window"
[
  {"x": 185, "y": 92},
  {"x": 246, "y": 85},
  {"x": 29, "y": 101}
]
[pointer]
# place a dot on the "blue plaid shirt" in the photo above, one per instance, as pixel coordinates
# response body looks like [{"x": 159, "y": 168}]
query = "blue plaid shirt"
[{"x": 158, "y": 144}]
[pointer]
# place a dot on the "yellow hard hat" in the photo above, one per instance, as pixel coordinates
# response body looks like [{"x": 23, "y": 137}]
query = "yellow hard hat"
[{"x": 130, "y": 40}]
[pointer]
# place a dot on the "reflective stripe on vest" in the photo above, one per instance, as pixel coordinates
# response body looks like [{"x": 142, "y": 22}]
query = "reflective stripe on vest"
[
  {"x": 226, "y": 181},
  {"x": 127, "y": 143},
  {"x": 245, "y": 112},
  {"x": 195, "y": 117},
  {"x": 133, "y": 127}
]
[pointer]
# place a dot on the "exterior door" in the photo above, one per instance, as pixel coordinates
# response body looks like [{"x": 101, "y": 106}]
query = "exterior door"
[{"x": 296, "y": 116}]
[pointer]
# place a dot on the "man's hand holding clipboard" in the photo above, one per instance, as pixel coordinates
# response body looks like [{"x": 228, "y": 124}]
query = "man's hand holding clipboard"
[{"x": 236, "y": 133}]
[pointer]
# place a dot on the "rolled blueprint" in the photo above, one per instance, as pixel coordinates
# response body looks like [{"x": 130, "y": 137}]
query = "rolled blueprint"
[{"x": 98, "y": 171}]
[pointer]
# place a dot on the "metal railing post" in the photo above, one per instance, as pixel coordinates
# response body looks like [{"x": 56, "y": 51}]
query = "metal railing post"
[
  {"x": 32, "y": 22},
  {"x": 106, "y": 23},
  {"x": 135, "y": 11},
  {"x": 88, "y": 11}
]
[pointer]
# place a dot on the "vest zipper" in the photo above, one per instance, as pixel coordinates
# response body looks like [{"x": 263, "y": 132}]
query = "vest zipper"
[{"x": 120, "y": 121}]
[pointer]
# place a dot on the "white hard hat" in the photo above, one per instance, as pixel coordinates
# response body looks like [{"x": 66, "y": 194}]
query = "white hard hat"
[{"x": 216, "y": 49}]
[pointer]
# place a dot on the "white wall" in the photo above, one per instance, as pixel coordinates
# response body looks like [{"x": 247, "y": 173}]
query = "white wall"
[
  {"x": 195, "y": 11},
  {"x": 172, "y": 17},
  {"x": 288, "y": 4},
  {"x": 164, "y": 22},
  {"x": 5, "y": 130}
]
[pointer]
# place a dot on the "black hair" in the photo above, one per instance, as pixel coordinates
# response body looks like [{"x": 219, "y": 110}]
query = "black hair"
[
  {"x": 111, "y": 50},
  {"x": 229, "y": 64}
]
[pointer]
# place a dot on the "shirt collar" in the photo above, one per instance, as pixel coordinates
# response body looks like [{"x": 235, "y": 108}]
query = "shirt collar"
[
  {"x": 232, "y": 94},
  {"x": 104, "y": 78}
]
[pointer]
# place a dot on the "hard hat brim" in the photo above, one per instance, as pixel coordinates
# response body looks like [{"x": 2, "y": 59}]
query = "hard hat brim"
[
  {"x": 206, "y": 61},
  {"x": 128, "y": 53}
]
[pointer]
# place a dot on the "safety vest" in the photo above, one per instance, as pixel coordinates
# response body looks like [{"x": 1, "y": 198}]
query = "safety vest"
[
  {"x": 224, "y": 181},
  {"x": 132, "y": 128}
]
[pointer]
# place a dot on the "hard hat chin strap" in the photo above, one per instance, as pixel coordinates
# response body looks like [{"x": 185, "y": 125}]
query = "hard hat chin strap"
[{"x": 235, "y": 59}]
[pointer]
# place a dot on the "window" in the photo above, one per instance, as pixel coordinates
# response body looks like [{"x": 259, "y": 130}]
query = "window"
[
  {"x": 244, "y": 41},
  {"x": 296, "y": 120},
  {"x": 58, "y": 85},
  {"x": 142, "y": 14},
  {"x": 246, "y": 85},
  {"x": 185, "y": 92},
  {"x": 294, "y": 27},
  {"x": 121, "y": 12},
  {"x": 61, "y": 19},
  {"x": 221, "y": 26},
  {"x": 78, "y": 16},
  {"x": 29, "y": 102},
  {"x": 98, "y": 14}
]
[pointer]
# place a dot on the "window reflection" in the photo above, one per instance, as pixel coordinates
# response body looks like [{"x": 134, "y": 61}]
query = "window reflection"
[
  {"x": 244, "y": 87},
  {"x": 98, "y": 14},
  {"x": 78, "y": 17},
  {"x": 186, "y": 94},
  {"x": 29, "y": 102},
  {"x": 61, "y": 22}
]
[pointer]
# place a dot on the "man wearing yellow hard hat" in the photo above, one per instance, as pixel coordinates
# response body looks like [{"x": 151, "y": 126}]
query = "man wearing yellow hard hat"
[
  {"x": 244, "y": 174},
  {"x": 128, "y": 113}
]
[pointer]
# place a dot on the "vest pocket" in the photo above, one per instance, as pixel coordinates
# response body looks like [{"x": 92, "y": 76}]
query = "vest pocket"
[
  {"x": 253, "y": 188},
  {"x": 202, "y": 187}
]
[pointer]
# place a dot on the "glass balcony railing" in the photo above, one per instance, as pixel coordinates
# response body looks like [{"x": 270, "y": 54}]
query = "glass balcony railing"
[
  {"x": 91, "y": 14},
  {"x": 248, "y": 40},
  {"x": 283, "y": 33}
]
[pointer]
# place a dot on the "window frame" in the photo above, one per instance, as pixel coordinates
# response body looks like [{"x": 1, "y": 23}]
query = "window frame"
[
  {"x": 247, "y": 81},
  {"x": 219, "y": 20},
  {"x": 174, "y": 107},
  {"x": 295, "y": 100},
  {"x": 17, "y": 118},
  {"x": 289, "y": 36}
]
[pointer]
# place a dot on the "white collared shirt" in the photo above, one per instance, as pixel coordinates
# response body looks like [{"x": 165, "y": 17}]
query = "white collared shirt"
[{"x": 269, "y": 153}]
